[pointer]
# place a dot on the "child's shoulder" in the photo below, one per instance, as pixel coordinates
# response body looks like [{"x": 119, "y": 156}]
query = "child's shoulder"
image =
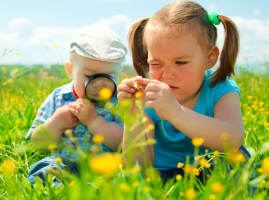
[
  {"x": 64, "y": 89},
  {"x": 228, "y": 83}
]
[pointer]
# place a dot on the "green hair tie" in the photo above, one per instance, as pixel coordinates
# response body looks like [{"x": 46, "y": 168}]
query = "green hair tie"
[
  {"x": 213, "y": 18},
  {"x": 150, "y": 17}
]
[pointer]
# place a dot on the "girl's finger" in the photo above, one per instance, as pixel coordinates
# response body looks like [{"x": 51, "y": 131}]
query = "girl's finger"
[
  {"x": 127, "y": 88},
  {"x": 152, "y": 87},
  {"x": 150, "y": 104},
  {"x": 143, "y": 81},
  {"x": 123, "y": 94},
  {"x": 151, "y": 96}
]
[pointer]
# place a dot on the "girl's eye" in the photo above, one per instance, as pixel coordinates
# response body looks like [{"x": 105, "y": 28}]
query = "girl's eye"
[{"x": 180, "y": 62}]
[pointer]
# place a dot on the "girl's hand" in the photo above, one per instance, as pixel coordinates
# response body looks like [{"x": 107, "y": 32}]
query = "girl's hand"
[
  {"x": 160, "y": 97},
  {"x": 84, "y": 110},
  {"x": 126, "y": 90}
]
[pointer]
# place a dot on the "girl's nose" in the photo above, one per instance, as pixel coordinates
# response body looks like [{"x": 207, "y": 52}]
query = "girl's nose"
[{"x": 168, "y": 74}]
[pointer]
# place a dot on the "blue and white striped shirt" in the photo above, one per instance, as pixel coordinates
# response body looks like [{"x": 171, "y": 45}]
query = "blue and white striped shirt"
[{"x": 63, "y": 96}]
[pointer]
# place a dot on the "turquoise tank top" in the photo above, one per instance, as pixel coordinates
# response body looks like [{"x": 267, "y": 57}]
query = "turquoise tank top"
[{"x": 176, "y": 146}]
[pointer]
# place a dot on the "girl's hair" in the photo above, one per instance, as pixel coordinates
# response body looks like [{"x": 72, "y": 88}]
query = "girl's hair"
[{"x": 172, "y": 19}]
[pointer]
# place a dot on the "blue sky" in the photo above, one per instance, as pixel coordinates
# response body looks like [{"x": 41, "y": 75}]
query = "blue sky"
[{"x": 30, "y": 27}]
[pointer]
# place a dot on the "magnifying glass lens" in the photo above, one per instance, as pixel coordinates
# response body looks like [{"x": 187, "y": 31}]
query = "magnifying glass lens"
[{"x": 100, "y": 89}]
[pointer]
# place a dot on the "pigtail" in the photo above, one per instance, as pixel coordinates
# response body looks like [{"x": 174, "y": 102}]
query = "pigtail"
[
  {"x": 136, "y": 44},
  {"x": 229, "y": 52}
]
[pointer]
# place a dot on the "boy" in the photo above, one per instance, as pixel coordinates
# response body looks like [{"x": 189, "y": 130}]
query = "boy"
[{"x": 94, "y": 49}]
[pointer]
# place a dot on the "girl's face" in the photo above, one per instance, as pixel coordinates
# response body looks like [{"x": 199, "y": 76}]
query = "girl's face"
[{"x": 178, "y": 62}]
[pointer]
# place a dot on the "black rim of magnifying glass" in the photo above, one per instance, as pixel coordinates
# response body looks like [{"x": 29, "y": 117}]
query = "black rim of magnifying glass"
[{"x": 99, "y": 76}]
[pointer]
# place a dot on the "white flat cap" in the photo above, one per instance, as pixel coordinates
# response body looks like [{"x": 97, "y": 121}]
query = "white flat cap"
[{"x": 98, "y": 42}]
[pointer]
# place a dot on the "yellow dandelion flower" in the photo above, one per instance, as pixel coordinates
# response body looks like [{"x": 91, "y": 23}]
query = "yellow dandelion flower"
[
  {"x": 265, "y": 166},
  {"x": 52, "y": 77},
  {"x": 18, "y": 53},
  {"x": 244, "y": 105},
  {"x": 197, "y": 141},
  {"x": 180, "y": 165},
  {"x": 207, "y": 165},
  {"x": 265, "y": 123},
  {"x": 262, "y": 182},
  {"x": 240, "y": 85},
  {"x": 135, "y": 169},
  {"x": 38, "y": 91},
  {"x": 212, "y": 197},
  {"x": 52, "y": 147},
  {"x": 22, "y": 92},
  {"x": 58, "y": 160},
  {"x": 188, "y": 168},
  {"x": 151, "y": 127},
  {"x": 217, "y": 187},
  {"x": 190, "y": 194},
  {"x": 72, "y": 183},
  {"x": 179, "y": 177},
  {"x": 98, "y": 139},
  {"x": 105, "y": 93},
  {"x": 249, "y": 97},
  {"x": 135, "y": 184},
  {"x": 138, "y": 95},
  {"x": 202, "y": 161},
  {"x": 125, "y": 187},
  {"x": 9, "y": 167},
  {"x": 106, "y": 164},
  {"x": 55, "y": 45},
  {"x": 148, "y": 179},
  {"x": 4, "y": 68},
  {"x": 196, "y": 171},
  {"x": 9, "y": 80},
  {"x": 1, "y": 169},
  {"x": 15, "y": 71},
  {"x": 216, "y": 153},
  {"x": 265, "y": 50},
  {"x": 67, "y": 132},
  {"x": 181, "y": 194},
  {"x": 224, "y": 136},
  {"x": 206, "y": 150},
  {"x": 236, "y": 156}
]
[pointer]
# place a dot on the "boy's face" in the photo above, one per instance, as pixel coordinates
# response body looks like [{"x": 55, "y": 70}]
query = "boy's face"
[{"x": 83, "y": 67}]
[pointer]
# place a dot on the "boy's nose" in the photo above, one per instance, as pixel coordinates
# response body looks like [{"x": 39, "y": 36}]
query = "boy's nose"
[{"x": 99, "y": 85}]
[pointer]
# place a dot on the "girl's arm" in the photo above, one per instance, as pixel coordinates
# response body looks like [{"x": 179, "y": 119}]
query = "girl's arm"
[
  {"x": 227, "y": 119},
  {"x": 227, "y": 112}
]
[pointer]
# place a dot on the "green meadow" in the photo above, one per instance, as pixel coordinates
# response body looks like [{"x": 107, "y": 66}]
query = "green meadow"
[{"x": 23, "y": 89}]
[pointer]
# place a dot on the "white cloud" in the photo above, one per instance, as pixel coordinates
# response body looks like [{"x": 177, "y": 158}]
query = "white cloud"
[
  {"x": 254, "y": 38},
  {"x": 256, "y": 12},
  {"x": 212, "y": 6},
  {"x": 31, "y": 41}
]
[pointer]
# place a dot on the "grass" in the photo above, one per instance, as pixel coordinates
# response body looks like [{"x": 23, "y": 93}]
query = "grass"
[{"x": 22, "y": 96}]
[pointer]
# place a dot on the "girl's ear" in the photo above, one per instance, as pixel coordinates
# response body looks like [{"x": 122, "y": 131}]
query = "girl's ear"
[
  {"x": 212, "y": 57},
  {"x": 68, "y": 69}
]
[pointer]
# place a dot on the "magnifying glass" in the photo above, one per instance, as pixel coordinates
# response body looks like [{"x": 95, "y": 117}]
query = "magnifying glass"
[{"x": 100, "y": 88}]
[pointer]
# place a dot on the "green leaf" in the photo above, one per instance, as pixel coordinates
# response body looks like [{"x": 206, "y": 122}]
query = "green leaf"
[{"x": 39, "y": 185}]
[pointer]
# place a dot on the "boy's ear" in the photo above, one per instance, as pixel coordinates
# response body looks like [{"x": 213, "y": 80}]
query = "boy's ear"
[
  {"x": 212, "y": 57},
  {"x": 68, "y": 69}
]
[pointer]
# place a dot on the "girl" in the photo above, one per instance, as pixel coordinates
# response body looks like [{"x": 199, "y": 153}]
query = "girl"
[{"x": 177, "y": 45}]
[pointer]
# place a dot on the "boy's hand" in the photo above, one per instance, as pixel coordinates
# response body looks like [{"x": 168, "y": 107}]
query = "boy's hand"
[
  {"x": 84, "y": 110},
  {"x": 126, "y": 90},
  {"x": 62, "y": 119}
]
